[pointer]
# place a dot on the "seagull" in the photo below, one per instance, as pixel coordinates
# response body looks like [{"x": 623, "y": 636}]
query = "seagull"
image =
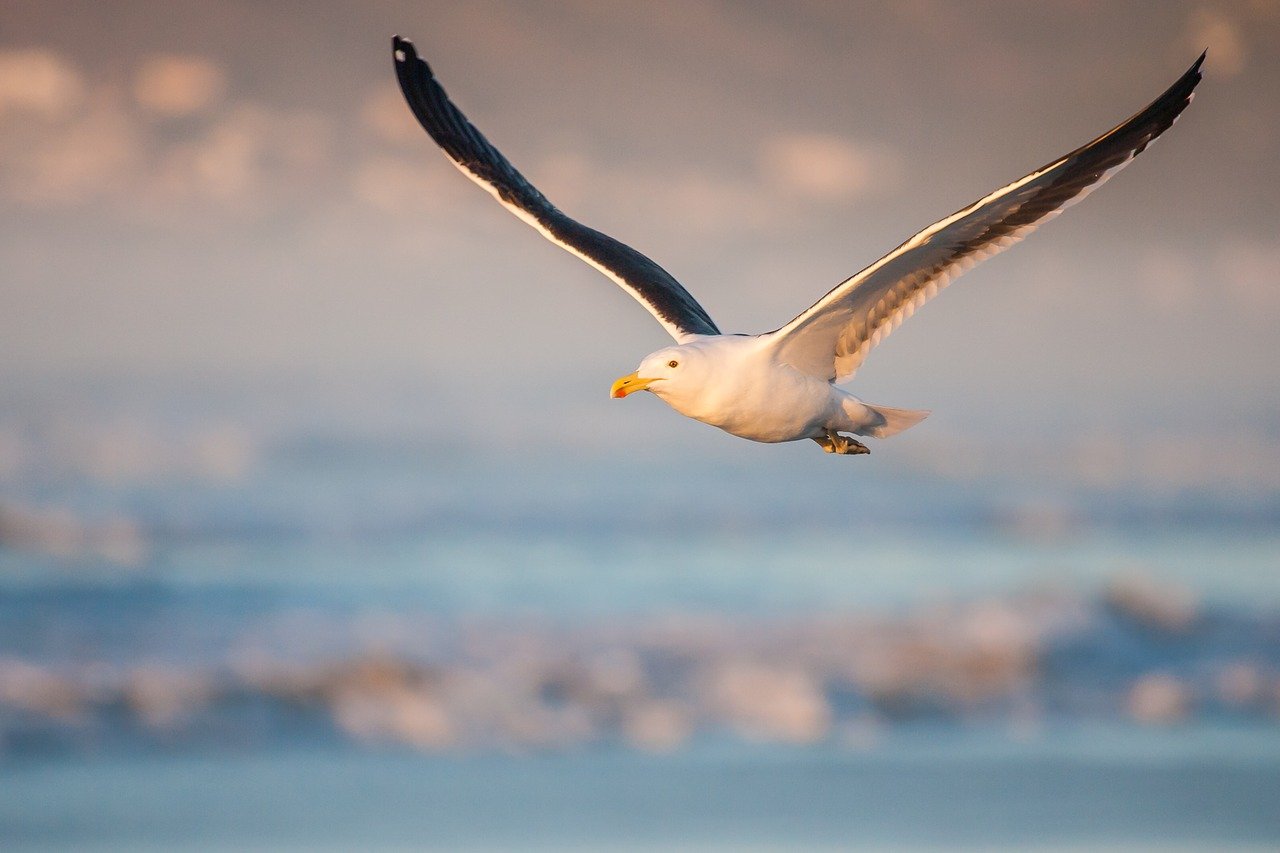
[{"x": 783, "y": 385}]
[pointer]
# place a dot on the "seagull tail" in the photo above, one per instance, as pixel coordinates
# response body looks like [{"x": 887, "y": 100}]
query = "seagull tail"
[{"x": 885, "y": 421}]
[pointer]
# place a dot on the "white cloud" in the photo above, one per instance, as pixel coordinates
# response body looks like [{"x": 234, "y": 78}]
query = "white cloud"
[
  {"x": 708, "y": 204},
  {"x": 1214, "y": 29},
  {"x": 92, "y": 156},
  {"x": 387, "y": 115},
  {"x": 393, "y": 184},
  {"x": 1251, "y": 272},
  {"x": 178, "y": 85},
  {"x": 251, "y": 159},
  {"x": 39, "y": 81},
  {"x": 224, "y": 165},
  {"x": 823, "y": 167},
  {"x": 689, "y": 200},
  {"x": 66, "y": 141}
]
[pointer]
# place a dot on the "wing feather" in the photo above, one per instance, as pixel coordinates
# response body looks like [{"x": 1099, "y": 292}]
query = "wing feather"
[
  {"x": 651, "y": 285},
  {"x": 833, "y": 337}
]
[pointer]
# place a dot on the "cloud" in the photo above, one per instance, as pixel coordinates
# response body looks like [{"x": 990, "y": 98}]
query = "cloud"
[
  {"x": 87, "y": 158},
  {"x": 708, "y": 203},
  {"x": 691, "y": 200},
  {"x": 249, "y": 159},
  {"x": 1214, "y": 29},
  {"x": 823, "y": 167},
  {"x": 253, "y": 158},
  {"x": 1251, "y": 272},
  {"x": 68, "y": 141},
  {"x": 224, "y": 165},
  {"x": 387, "y": 115},
  {"x": 38, "y": 81},
  {"x": 178, "y": 85},
  {"x": 620, "y": 195},
  {"x": 397, "y": 185}
]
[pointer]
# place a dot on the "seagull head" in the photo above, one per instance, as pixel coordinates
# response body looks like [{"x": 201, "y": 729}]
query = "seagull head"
[{"x": 666, "y": 372}]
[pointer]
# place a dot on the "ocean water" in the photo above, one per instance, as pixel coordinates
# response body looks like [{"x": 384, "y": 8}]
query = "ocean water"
[
  {"x": 205, "y": 700},
  {"x": 1197, "y": 789},
  {"x": 612, "y": 567},
  {"x": 266, "y": 637}
]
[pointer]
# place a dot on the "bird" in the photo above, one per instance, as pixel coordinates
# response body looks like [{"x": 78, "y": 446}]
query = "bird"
[{"x": 783, "y": 385}]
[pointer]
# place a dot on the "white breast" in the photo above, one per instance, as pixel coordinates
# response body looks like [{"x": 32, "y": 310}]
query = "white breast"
[{"x": 743, "y": 391}]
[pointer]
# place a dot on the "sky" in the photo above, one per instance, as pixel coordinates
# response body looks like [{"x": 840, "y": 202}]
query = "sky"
[{"x": 234, "y": 193}]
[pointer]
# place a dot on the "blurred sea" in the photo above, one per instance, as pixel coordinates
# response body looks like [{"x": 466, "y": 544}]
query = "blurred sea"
[{"x": 285, "y": 628}]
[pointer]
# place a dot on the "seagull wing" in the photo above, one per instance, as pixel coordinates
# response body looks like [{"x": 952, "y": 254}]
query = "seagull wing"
[
  {"x": 832, "y": 338},
  {"x": 651, "y": 285}
]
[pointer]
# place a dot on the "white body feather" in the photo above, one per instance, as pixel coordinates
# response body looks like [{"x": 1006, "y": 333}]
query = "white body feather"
[{"x": 736, "y": 383}]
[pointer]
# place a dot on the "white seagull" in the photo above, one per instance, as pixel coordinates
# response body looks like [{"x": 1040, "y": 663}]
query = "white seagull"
[{"x": 781, "y": 385}]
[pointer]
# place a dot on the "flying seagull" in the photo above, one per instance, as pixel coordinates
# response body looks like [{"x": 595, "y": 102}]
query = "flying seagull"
[{"x": 782, "y": 385}]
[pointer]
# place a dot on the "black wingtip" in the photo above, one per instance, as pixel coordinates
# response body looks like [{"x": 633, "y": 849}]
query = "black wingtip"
[
  {"x": 1176, "y": 98},
  {"x": 401, "y": 49},
  {"x": 406, "y": 56},
  {"x": 1191, "y": 76},
  {"x": 1195, "y": 66}
]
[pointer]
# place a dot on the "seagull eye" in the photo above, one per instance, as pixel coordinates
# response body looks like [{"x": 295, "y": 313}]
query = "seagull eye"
[{"x": 673, "y": 363}]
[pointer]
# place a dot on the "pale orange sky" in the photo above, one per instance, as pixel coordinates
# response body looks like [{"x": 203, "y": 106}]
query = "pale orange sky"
[{"x": 223, "y": 189}]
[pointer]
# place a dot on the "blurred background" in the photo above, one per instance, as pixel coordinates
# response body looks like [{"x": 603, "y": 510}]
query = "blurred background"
[{"x": 317, "y": 526}]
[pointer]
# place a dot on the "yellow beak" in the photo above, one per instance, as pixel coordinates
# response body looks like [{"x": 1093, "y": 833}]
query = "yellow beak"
[{"x": 630, "y": 384}]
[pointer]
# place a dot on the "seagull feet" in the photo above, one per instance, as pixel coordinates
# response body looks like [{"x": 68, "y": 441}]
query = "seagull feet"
[{"x": 834, "y": 442}]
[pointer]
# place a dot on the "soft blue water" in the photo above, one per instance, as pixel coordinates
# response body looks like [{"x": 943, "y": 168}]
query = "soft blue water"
[
  {"x": 1079, "y": 783},
  {"x": 1090, "y": 788},
  {"x": 528, "y": 568}
]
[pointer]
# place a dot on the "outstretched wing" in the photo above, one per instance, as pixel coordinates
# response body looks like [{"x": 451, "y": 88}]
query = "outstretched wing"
[
  {"x": 651, "y": 285},
  {"x": 832, "y": 338}
]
